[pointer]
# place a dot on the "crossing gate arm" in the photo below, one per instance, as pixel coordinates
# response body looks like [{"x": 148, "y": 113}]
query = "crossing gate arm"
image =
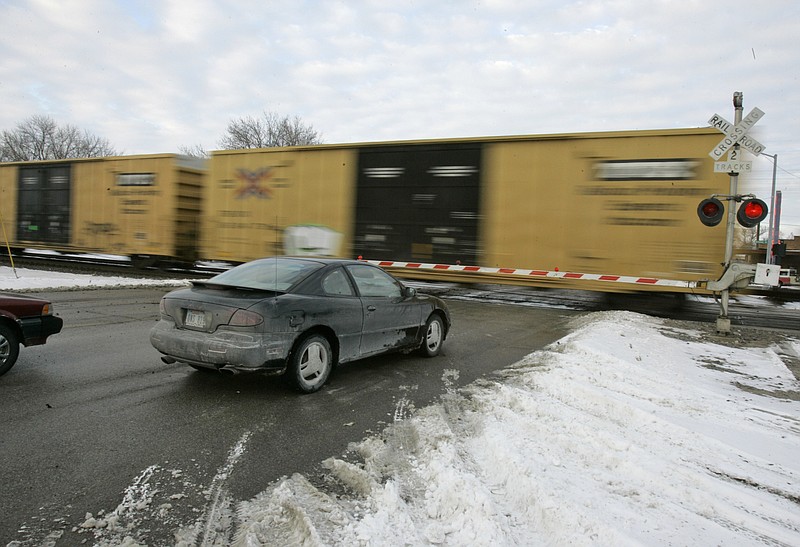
[{"x": 483, "y": 273}]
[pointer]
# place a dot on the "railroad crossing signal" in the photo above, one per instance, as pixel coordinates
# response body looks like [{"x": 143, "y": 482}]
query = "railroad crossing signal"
[
  {"x": 736, "y": 134},
  {"x": 711, "y": 211},
  {"x": 751, "y": 212}
]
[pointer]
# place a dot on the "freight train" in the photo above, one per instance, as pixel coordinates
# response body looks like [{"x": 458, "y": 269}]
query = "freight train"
[
  {"x": 138, "y": 206},
  {"x": 588, "y": 210}
]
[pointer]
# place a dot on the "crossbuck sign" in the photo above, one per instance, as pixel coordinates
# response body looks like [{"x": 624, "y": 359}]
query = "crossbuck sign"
[{"x": 736, "y": 134}]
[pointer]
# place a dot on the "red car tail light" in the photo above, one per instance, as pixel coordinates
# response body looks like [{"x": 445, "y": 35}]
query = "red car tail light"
[{"x": 244, "y": 318}]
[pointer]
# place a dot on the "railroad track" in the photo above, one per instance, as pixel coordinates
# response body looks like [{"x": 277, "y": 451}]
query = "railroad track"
[
  {"x": 754, "y": 307},
  {"x": 104, "y": 265}
]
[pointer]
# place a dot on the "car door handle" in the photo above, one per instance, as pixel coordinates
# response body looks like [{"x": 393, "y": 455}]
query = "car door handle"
[{"x": 371, "y": 308}]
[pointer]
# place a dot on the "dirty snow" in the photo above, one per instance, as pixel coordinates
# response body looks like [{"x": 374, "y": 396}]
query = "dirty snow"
[
  {"x": 26, "y": 279},
  {"x": 629, "y": 431}
]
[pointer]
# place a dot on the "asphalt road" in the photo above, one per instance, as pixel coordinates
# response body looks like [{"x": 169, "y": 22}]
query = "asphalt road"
[{"x": 97, "y": 434}]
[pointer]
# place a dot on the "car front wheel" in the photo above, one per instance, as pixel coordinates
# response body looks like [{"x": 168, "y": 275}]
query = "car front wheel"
[
  {"x": 434, "y": 336},
  {"x": 9, "y": 349},
  {"x": 311, "y": 363}
]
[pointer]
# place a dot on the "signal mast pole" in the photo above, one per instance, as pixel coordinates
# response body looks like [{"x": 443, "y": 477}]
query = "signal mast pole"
[
  {"x": 751, "y": 212},
  {"x": 723, "y": 321}
]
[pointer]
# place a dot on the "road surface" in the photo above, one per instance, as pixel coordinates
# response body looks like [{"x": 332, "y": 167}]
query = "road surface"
[{"x": 98, "y": 433}]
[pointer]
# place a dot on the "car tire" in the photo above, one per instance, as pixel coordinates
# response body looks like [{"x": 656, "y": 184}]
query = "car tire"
[
  {"x": 9, "y": 348},
  {"x": 432, "y": 336},
  {"x": 311, "y": 363}
]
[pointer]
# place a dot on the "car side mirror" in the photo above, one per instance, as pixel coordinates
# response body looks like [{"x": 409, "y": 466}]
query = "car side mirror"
[{"x": 409, "y": 292}]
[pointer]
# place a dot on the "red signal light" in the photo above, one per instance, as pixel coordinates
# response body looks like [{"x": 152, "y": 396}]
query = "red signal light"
[
  {"x": 710, "y": 211},
  {"x": 751, "y": 212},
  {"x": 753, "y": 209}
]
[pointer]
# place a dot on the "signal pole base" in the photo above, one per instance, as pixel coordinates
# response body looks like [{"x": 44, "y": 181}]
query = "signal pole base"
[{"x": 723, "y": 325}]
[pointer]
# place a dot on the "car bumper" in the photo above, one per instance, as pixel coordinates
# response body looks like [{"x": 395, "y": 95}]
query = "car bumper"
[
  {"x": 35, "y": 330},
  {"x": 224, "y": 349}
]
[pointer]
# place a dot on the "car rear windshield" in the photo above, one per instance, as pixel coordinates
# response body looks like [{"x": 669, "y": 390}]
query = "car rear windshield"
[{"x": 267, "y": 274}]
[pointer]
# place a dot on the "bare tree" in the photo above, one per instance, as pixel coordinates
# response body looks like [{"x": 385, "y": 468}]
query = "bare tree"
[
  {"x": 748, "y": 238},
  {"x": 268, "y": 131},
  {"x": 194, "y": 151},
  {"x": 41, "y": 138}
]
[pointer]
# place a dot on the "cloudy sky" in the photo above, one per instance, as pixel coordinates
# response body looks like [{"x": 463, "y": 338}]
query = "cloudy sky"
[{"x": 152, "y": 76}]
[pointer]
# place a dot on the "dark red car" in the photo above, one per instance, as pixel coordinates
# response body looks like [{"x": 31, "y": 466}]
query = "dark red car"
[{"x": 25, "y": 320}]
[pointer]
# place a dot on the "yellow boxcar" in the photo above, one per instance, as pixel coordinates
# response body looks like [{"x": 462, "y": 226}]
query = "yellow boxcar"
[
  {"x": 611, "y": 203},
  {"x": 146, "y": 207},
  {"x": 258, "y": 200}
]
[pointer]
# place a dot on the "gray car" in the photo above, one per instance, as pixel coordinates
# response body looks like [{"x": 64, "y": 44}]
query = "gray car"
[{"x": 299, "y": 316}]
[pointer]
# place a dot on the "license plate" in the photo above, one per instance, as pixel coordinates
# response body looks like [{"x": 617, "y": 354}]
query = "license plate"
[{"x": 196, "y": 319}]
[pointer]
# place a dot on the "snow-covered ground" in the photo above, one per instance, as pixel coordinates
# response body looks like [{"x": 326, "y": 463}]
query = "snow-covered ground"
[
  {"x": 24, "y": 279},
  {"x": 629, "y": 431}
]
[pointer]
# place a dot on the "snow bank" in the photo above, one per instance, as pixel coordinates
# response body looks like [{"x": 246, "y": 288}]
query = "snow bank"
[
  {"x": 23, "y": 279},
  {"x": 626, "y": 432}
]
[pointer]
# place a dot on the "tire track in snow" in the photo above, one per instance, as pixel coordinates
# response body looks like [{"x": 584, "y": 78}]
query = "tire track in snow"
[{"x": 215, "y": 527}]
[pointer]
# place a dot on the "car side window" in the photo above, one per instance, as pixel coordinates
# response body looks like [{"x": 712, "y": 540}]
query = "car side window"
[
  {"x": 373, "y": 282},
  {"x": 336, "y": 283}
]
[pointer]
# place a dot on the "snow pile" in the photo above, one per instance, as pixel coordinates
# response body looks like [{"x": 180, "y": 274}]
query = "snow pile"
[
  {"x": 625, "y": 432},
  {"x": 23, "y": 279}
]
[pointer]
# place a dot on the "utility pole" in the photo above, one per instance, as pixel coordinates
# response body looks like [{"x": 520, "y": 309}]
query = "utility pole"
[{"x": 772, "y": 227}]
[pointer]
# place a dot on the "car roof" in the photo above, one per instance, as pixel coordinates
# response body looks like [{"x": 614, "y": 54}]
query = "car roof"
[{"x": 320, "y": 260}]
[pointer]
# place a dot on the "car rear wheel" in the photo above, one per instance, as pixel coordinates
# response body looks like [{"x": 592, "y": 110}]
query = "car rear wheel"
[
  {"x": 9, "y": 349},
  {"x": 434, "y": 336},
  {"x": 311, "y": 363}
]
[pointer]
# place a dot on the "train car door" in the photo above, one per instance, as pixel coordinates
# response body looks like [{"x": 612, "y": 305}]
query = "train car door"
[
  {"x": 419, "y": 203},
  {"x": 43, "y": 204}
]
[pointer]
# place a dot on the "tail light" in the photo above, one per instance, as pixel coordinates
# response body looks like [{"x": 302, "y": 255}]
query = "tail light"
[{"x": 245, "y": 318}]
